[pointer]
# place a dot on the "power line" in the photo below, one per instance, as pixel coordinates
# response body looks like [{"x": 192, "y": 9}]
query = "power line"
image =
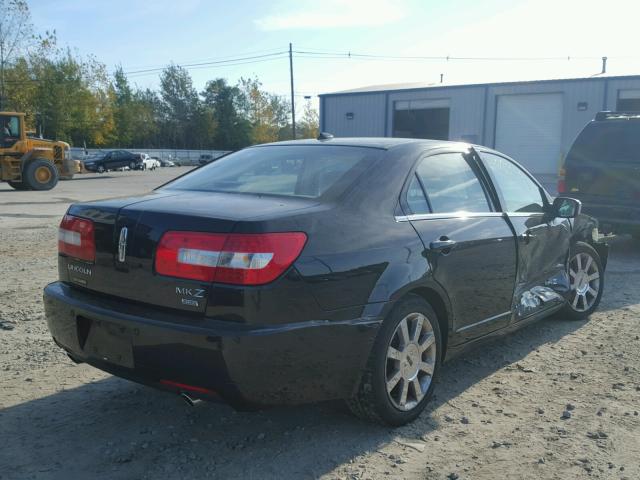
[
  {"x": 313, "y": 53},
  {"x": 138, "y": 75},
  {"x": 208, "y": 59},
  {"x": 203, "y": 64}
]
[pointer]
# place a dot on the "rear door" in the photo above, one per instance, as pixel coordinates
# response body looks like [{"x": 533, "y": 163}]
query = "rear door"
[
  {"x": 542, "y": 242},
  {"x": 470, "y": 246}
]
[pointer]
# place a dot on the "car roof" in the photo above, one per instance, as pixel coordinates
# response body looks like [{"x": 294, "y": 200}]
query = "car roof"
[{"x": 384, "y": 143}]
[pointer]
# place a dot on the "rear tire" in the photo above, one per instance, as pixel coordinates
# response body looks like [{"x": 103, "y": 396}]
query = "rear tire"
[
  {"x": 18, "y": 185},
  {"x": 100, "y": 169},
  {"x": 587, "y": 282},
  {"x": 398, "y": 381},
  {"x": 40, "y": 175}
]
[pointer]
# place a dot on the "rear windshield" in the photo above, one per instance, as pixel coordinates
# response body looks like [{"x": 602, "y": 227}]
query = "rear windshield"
[
  {"x": 608, "y": 141},
  {"x": 289, "y": 170}
]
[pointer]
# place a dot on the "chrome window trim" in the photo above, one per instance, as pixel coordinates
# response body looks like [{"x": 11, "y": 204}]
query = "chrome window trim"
[
  {"x": 442, "y": 216},
  {"x": 486, "y": 320},
  {"x": 525, "y": 214}
]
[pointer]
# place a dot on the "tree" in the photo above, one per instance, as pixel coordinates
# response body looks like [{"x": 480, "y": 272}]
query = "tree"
[
  {"x": 310, "y": 123},
  {"x": 15, "y": 36},
  {"x": 268, "y": 114},
  {"x": 71, "y": 98},
  {"x": 147, "y": 117},
  {"x": 233, "y": 131},
  {"x": 124, "y": 108},
  {"x": 179, "y": 104}
]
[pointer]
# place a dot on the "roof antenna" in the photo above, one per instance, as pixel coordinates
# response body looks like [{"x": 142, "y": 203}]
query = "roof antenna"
[
  {"x": 441, "y": 77},
  {"x": 604, "y": 65}
]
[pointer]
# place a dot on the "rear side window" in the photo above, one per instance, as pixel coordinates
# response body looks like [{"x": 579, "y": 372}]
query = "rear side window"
[
  {"x": 451, "y": 184},
  {"x": 518, "y": 192},
  {"x": 290, "y": 170},
  {"x": 608, "y": 142},
  {"x": 415, "y": 197}
]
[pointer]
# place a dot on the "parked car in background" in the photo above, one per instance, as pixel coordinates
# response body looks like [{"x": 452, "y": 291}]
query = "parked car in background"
[
  {"x": 164, "y": 163},
  {"x": 205, "y": 158},
  {"x": 149, "y": 162},
  {"x": 314, "y": 270},
  {"x": 113, "y": 160},
  {"x": 602, "y": 169},
  {"x": 175, "y": 160}
]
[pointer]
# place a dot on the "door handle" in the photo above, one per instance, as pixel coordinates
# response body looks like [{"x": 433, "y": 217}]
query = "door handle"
[
  {"x": 444, "y": 244},
  {"x": 526, "y": 236}
]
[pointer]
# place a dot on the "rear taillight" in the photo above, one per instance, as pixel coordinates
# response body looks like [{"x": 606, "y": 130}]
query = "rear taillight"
[
  {"x": 76, "y": 238},
  {"x": 562, "y": 186},
  {"x": 241, "y": 259}
]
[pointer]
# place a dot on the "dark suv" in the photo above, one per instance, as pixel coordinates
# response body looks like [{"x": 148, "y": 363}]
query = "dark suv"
[{"x": 602, "y": 170}]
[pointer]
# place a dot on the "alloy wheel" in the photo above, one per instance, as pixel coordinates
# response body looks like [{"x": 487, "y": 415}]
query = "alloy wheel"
[
  {"x": 585, "y": 281},
  {"x": 410, "y": 362}
]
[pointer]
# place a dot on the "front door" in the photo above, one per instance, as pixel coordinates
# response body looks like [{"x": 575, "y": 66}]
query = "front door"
[
  {"x": 470, "y": 246},
  {"x": 543, "y": 242}
]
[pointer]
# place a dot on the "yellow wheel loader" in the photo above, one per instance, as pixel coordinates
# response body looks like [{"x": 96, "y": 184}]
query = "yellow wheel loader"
[{"x": 29, "y": 163}]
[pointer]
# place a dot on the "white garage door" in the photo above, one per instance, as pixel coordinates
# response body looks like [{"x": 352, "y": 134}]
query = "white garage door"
[{"x": 529, "y": 129}]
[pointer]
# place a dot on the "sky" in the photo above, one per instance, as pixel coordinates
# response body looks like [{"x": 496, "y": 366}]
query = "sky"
[{"x": 567, "y": 38}]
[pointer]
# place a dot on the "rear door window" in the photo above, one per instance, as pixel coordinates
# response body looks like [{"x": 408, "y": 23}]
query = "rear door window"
[
  {"x": 451, "y": 184},
  {"x": 416, "y": 200}
]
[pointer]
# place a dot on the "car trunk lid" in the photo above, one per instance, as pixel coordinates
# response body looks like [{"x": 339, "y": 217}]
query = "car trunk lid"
[{"x": 124, "y": 264}]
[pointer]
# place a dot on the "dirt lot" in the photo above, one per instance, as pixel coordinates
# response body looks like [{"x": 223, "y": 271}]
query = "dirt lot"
[{"x": 497, "y": 412}]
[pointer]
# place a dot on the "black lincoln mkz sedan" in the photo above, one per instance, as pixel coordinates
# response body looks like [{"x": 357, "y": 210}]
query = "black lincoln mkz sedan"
[{"x": 313, "y": 270}]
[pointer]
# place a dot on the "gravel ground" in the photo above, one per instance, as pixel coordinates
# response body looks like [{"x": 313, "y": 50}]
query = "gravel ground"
[{"x": 559, "y": 399}]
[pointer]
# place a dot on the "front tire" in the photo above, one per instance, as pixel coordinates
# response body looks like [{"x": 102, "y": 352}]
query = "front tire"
[
  {"x": 398, "y": 380},
  {"x": 587, "y": 282},
  {"x": 40, "y": 175}
]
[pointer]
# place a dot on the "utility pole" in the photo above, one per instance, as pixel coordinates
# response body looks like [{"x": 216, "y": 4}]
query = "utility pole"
[
  {"x": 293, "y": 105},
  {"x": 2, "y": 82}
]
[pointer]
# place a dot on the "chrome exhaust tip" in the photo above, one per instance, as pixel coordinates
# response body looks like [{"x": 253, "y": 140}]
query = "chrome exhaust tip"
[{"x": 192, "y": 402}]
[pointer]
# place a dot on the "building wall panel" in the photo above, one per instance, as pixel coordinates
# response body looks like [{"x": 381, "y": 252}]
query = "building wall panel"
[{"x": 368, "y": 115}]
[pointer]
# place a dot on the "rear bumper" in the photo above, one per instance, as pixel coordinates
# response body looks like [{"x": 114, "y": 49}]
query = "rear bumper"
[{"x": 267, "y": 365}]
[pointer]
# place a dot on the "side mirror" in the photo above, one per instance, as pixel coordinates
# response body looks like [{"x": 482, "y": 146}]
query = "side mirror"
[{"x": 566, "y": 207}]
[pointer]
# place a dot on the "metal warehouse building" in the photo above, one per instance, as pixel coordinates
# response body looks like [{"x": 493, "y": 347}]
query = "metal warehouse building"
[{"x": 534, "y": 121}]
